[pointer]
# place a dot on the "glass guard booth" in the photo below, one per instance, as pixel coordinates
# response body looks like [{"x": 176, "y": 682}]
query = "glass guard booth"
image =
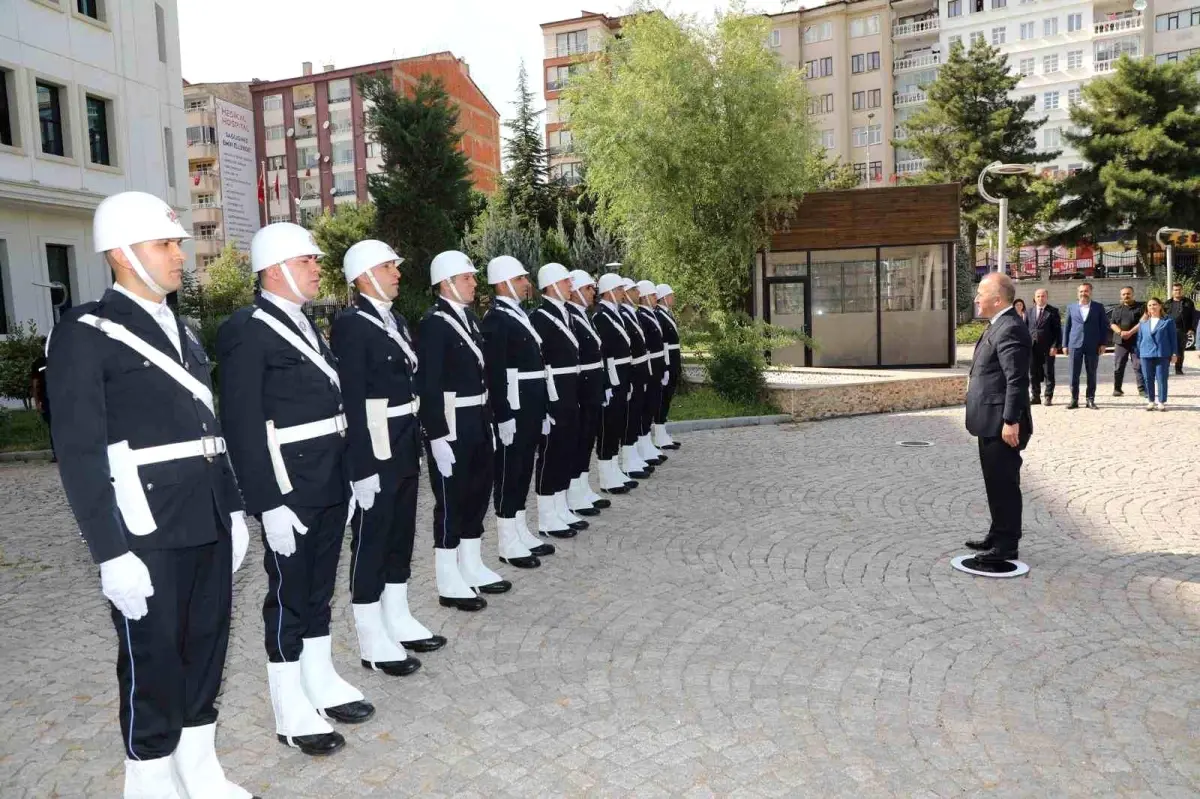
[{"x": 868, "y": 275}]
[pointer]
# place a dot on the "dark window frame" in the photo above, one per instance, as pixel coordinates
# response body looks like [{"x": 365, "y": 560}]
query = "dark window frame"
[
  {"x": 99, "y": 145},
  {"x": 52, "y": 128}
]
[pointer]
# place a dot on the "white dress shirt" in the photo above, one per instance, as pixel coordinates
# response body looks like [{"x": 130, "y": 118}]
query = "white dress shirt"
[
  {"x": 1154, "y": 323},
  {"x": 296, "y": 314},
  {"x": 998, "y": 314},
  {"x": 1084, "y": 308},
  {"x": 384, "y": 309},
  {"x": 459, "y": 309},
  {"x": 160, "y": 312}
]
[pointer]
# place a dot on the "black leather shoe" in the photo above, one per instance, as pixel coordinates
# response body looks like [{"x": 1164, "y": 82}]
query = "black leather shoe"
[
  {"x": 655, "y": 461},
  {"x": 1049, "y": 400},
  {"x": 601, "y": 504},
  {"x": 639, "y": 475},
  {"x": 672, "y": 445},
  {"x": 568, "y": 533},
  {"x": 996, "y": 556},
  {"x": 498, "y": 587},
  {"x": 522, "y": 563},
  {"x": 394, "y": 668},
  {"x": 470, "y": 603},
  {"x": 1035, "y": 400},
  {"x": 542, "y": 550},
  {"x": 430, "y": 644},
  {"x": 1092, "y": 405},
  {"x": 1072, "y": 405},
  {"x": 1118, "y": 392},
  {"x": 978, "y": 544},
  {"x": 350, "y": 713},
  {"x": 579, "y": 525},
  {"x": 315, "y": 745},
  {"x": 618, "y": 489},
  {"x": 631, "y": 484},
  {"x": 585, "y": 511},
  {"x": 663, "y": 458}
]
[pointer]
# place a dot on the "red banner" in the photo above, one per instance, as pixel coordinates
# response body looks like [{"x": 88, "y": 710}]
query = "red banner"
[{"x": 1077, "y": 260}]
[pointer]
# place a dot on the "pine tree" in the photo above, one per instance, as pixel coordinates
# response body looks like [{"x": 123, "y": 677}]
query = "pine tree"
[
  {"x": 524, "y": 187},
  {"x": 970, "y": 121},
  {"x": 335, "y": 233},
  {"x": 1139, "y": 132},
  {"x": 423, "y": 196}
]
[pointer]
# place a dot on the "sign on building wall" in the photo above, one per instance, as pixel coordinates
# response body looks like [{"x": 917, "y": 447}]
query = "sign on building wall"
[{"x": 239, "y": 170}]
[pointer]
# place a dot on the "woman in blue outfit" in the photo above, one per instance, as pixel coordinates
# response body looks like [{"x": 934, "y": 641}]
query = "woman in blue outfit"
[{"x": 1157, "y": 347}]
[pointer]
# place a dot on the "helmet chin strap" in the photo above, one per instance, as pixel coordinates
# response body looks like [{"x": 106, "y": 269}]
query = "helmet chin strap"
[
  {"x": 142, "y": 273},
  {"x": 375, "y": 285},
  {"x": 512, "y": 291},
  {"x": 454, "y": 290},
  {"x": 558, "y": 292},
  {"x": 291, "y": 282}
]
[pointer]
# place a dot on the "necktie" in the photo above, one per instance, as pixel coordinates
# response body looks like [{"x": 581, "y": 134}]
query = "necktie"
[{"x": 166, "y": 320}]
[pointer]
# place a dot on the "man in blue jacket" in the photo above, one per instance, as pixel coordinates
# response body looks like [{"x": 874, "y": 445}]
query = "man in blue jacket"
[{"x": 1084, "y": 332}]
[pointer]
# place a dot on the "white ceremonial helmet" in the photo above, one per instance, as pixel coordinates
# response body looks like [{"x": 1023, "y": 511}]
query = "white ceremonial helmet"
[
  {"x": 579, "y": 280},
  {"x": 449, "y": 264},
  {"x": 551, "y": 273},
  {"x": 502, "y": 269},
  {"x": 134, "y": 217},
  {"x": 280, "y": 242},
  {"x": 608, "y": 282},
  {"x": 645, "y": 287},
  {"x": 662, "y": 290},
  {"x": 628, "y": 284},
  {"x": 365, "y": 256}
]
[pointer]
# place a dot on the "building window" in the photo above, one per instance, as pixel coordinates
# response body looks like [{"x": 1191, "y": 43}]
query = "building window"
[
  {"x": 1050, "y": 64},
  {"x": 876, "y": 171},
  {"x": 1026, "y": 67},
  {"x": 858, "y": 101},
  {"x": 1074, "y": 169},
  {"x": 1027, "y": 31},
  {"x": 998, "y": 35},
  {"x": 1053, "y": 138},
  {"x": 169, "y": 145},
  {"x": 858, "y": 136},
  {"x": 775, "y": 37},
  {"x": 999, "y": 4},
  {"x": 954, "y": 8},
  {"x": 955, "y": 39},
  {"x": 343, "y": 183},
  {"x": 571, "y": 43},
  {"x": 50, "y": 120},
  {"x": 202, "y": 170},
  {"x": 374, "y": 150},
  {"x": 1075, "y": 59},
  {"x": 864, "y": 26},
  {"x": 307, "y": 157},
  {"x": 58, "y": 270},
  {"x": 1050, "y": 26},
  {"x": 1030, "y": 100},
  {"x": 874, "y": 98},
  {"x": 343, "y": 152},
  {"x": 976, "y": 38},
  {"x": 91, "y": 8},
  {"x": 7, "y": 117},
  {"x": 820, "y": 105},
  {"x": 273, "y": 102},
  {"x": 827, "y": 139},
  {"x": 99, "y": 118},
  {"x": 819, "y": 68},
  {"x": 277, "y": 162},
  {"x": 868, "y": 135},
  {"x": 1074, "y": 22},
  {"x": 204, "y": 201},
  {"x": 160, "y": 26},
  {"x": 201, "y": 134},
  {"x": 206, "y": 231},
  {"x": 818, "y": 33},
  {"x": 1074, "y": 96},
  {"x": 1049, "y": 101},
  {"x": 860, "y": 172},
  {"x": 273, "y": 132},
  {"x": 3, "y": 301},
  {"x": 339, "y": 121},
  {"x": 858, "y": 63},
  {"x": 196, "y": 105},
  {"x": 339, "y": 90}
]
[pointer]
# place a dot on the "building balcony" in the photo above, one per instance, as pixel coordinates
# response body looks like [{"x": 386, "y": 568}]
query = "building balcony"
[
  {"x": 1108, "y": 62},
  {"x": 560, "y": 149},
  {"x": 202, "y": 214},
  {"x": 209, "y": 246},
  {"x": 899, "y": 133},
  {"x": 902, "y": 99},
  {"x": 204, "y": 183},
  {"x": 911, "y": 166},
  {"x": 593, "y": 45},
  {"x": 923, "y": 61},
  {"x": 201, "y": 116},
  {"x": 1118, "y": 26},
  {"x": 200, "y": 151},
  {"x": 307, "y": 102},
  {"x": 914, "y": 30}
]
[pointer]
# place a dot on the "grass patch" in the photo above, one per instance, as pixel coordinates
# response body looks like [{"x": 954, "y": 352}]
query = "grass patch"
[
  {"x": 969, "y": 332},
  {"x": 701, "y": 402},
  {"x": 22, "y": 431}
]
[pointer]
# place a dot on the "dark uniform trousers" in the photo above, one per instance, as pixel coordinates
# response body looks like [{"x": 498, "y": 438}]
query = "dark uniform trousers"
[
  {"x": 169, "y": 662},
  {"x": 615, "y": 345},
  {"x": 592, "y": 382},
  {"x": 515, "y": 463},
  {"x": 265, "y": 377},
  {"x": 558, "y": 453},
  {"x": 614, "y": 419},
  {"x": 638, "y": 377},
  {"x": 373, "y": 366},
  {"x": 1001, "y": 466},
  {"x": 453, "y": 363},
  {"x": 590, "y": 415}
]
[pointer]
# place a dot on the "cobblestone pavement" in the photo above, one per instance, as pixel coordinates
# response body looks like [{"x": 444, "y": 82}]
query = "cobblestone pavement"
[{"x": 774, "y": 614}]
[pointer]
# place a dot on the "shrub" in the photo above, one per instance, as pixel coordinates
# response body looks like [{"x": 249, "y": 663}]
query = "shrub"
[
  {"x": 736, "y": 360},
  {"x": 17, "y": 354}
]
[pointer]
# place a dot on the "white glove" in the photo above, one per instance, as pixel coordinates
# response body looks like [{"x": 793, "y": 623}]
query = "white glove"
[
  {"x": 240, "y": 536},
  {"x": 280, "y": 526},
  {"x": 549, "y": 420},
  {"x": 365, "y": 491},
  {"x": 607, "y": 397},
  {"x": 126, "y": 582},
  {"x": 508, "y": 430},
  {"x": 629, "y": 396},
  {"x": 666, "y": 378},
  {"x": 444, "y": 455}
]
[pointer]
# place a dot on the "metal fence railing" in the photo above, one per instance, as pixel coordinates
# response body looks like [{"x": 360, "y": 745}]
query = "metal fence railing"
[{"x": 1075, "y": 263}]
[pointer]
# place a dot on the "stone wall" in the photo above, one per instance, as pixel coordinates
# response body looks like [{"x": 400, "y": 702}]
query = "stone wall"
[{"x": 806, "y": 403}]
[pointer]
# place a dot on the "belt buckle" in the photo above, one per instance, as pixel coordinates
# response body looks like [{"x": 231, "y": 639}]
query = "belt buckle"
[{"x": 209, "y": 448}]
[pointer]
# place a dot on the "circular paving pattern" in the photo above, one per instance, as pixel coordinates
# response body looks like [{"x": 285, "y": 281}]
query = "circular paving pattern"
[{"x": 773, "y": 613}]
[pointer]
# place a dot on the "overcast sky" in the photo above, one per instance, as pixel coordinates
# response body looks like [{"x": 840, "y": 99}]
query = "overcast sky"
[{"x": 237, "y": 40}]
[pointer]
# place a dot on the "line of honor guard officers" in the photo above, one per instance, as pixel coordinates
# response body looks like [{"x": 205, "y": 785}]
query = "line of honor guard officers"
[{"x": 310, "y": 438}]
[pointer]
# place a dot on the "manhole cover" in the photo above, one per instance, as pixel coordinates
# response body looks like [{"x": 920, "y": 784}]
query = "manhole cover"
[{"x": 915, "y": 443}]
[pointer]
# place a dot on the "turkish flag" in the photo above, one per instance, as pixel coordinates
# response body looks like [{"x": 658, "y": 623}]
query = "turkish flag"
[
  {"x": 196, "y": 179},
  {"x": 276, "y": 186},
  {"x": 262, "y": 187}
]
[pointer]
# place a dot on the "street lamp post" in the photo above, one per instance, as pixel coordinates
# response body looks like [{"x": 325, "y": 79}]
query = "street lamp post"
[
  {"x": 1000, "y": 168},
  {"x": 870, "y": 119},
  {"x": 1170, "y": 248}
]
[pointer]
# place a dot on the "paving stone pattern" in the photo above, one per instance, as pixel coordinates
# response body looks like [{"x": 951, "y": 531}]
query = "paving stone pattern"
[{"x": 774, "y": 614}]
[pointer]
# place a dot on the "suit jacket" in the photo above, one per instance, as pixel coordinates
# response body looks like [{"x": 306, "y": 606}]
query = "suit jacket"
[
  {"x": 263, "y": 377},
  {"x": 1162, "y": 343},
  {"x": 1090, "y": 334},
  {"x": 559, "y": 350},
  {"x": 1046, "y": 331},
  {"x": 450, "y": 365},
  {"x": 371, "y": 365},
  {"x": 998, "y": 389},
  {"x": 508, "y": 344},
  {"x": 592, "y": 382},
  {"x": 104, "y": 392}
]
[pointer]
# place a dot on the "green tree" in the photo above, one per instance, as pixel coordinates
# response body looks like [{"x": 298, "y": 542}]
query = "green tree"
[
  {"x": 590, "y": 252},
  {"x": 555, "y": 246},
  {"x": 524, "y": 186},
  {"x": 970, "y": 121},
  {"x": 228, "y": 283},
  {"x": 1139, "y": 132},
  {"x": 696, "y": 144},
  {"x": 835, "y": 173},
  {"x": 498, "y": 231},
  {"x": 423, "y": 197},
  {"x": 335, "y": 233}
]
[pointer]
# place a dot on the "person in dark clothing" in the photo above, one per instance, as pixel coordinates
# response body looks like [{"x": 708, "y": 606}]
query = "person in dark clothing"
[
  {"x": 1183, "y": 311},
  {"x": 1123, "y": 319},
  {"x": 1045, "y": 330}
]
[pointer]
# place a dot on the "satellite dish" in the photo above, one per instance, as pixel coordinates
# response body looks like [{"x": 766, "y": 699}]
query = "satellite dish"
[
  {"x": 1139, "y": 5},
  {"x": 332, "y": 190},
  {"x": 326, "y": 159},
  {"x": 325, "y": 125},
  {"x": 291, "y": 132}
]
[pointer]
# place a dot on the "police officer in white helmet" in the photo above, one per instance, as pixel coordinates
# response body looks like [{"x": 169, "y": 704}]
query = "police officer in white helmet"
[
  {"x": 593, "y": 394},
  {"x": 144, "y": 469},
  {"x": 458, "y": 428},
  {"x": 673, "y": 357},
  {"x": 657, "y": 377},
  {"x": 616, "y": 350},
  {"x": 378, "y": 367},
  {"x": 282, "y": 408}
]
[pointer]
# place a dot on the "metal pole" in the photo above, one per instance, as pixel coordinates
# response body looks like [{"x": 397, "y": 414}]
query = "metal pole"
[
  {"x": 1002, "y": 237},
  {"x": 1170, "y": 266}
]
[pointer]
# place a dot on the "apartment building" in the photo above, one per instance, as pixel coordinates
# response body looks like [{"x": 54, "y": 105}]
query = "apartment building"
[
  {"x": 570, "y": 45},
  {"x": 1176, "y": 32},
  {"x": 91, "y": 104},
  {"x": 201, "y": 102},
  {"x": 1055, "y": 45},
  {"x": 311, "y": 132}
]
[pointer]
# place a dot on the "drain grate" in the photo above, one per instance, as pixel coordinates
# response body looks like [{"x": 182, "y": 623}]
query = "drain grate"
[{"x": 915, "y": 443}]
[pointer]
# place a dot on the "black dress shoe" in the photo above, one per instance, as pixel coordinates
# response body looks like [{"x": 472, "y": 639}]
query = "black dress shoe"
[
  {"x": 663, "y": 458},
  {"x": 978, "y": 544},
  {"x": 1049, "y": 400},
  {"x": 530, "y": 562},
  {"x": 579, "y": 525},
  {"x": 498, "y": 587},
  {"x": 1092, "y": 405},
  {"x": 470, "y": 603},
  {"x": 640, "y": 475},
  {"x": 1072, "y": 405},
  {"x": 568, "y": 533},
  {"x": 394, "y": 668},
  {"x": 672, "y": 445},
  {"x": 350, "y": 713},
  {"x": 1118, "y": 392},
  {"x": 585, "y": 511},
  {"x": 325, "y": 743},
  {"x": 631, "y": 484},
  {"x": 995, "y": 555},
  {"x": 618, "y": 489},
  {"x": 655, "y": 461},
  {"x": 601, "y": 504},
  {"x": 1035, "y": 400},
  {"x": 430, "y": 644},
  {"x": 542, "y": 550}
]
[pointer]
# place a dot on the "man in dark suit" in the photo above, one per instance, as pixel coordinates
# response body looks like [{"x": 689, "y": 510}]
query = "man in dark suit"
[
  {"x": 998, "y": 414},
  {"x": 1085, "y": 331},
  {"x": 1045, "y": 329}
]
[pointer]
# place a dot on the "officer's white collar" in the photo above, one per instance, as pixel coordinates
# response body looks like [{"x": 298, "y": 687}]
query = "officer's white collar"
[
  {"x": 557, "y": 303},
  {"x": 511, "y": 302},
  {"x": 287, "y": 306},
  {"x": 579, "y": 306},
  {"x": 612, "y": 306},
  {"x": 459, "y": 308},
  {"x": 149, "y": 306},
  {"x": 383, "y": 307}
]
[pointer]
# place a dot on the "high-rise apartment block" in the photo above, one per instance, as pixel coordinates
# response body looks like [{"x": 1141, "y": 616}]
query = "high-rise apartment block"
[
  {"x": 311, "y": 132},
  {"x": 1176, "y": 29},
  {"x": 200, "y": 105}
]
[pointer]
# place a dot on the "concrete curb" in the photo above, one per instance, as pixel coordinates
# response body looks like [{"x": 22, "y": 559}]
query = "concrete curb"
[
  {"x": 18, "y": 457},
  {"x": 721, "y": 424}
]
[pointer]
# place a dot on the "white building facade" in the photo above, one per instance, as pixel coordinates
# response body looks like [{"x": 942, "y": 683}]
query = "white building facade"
[
  {"x": 1055, "y": 45},
  {"x": 91, "y": 104}
]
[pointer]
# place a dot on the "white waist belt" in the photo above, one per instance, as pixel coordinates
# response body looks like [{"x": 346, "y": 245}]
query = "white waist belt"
[
  {"x": 451, "y": 402},
  {"x": 564, "y": 370},
  {"x": 641, "y": 359},
  {"x": 407, "y": 409},
  {"x": 591, "y": 367},
  {"x": 304, "y": 432},
  {"x": 671, "y": 346},
  {"x": 207, "y": 447},
  {"x": 619, "y": 361},
  {"x": 470, "y": 402},
  {"x": 540, "y": 374},
  {"x": 658, "y": 354},
  {"x": 123, "y": 464}
]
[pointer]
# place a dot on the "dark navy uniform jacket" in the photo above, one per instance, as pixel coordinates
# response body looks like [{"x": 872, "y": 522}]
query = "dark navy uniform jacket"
[
  {"x": 591, "y": 381},
  {"x": 654, "y": 341},
  {"x": 670, "y": 332},
  {"x": 264, "y": 377},
  {"x": 558, "y": 351},
  {"x": 448, "y": 364},
  {"x": 372, "y": 365},
  {"x": 637, "y": 341},
  {"x": 610, "y": 326},
  {"x": 508, "y": 344},
  {"x": 104, "y": 392}
]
